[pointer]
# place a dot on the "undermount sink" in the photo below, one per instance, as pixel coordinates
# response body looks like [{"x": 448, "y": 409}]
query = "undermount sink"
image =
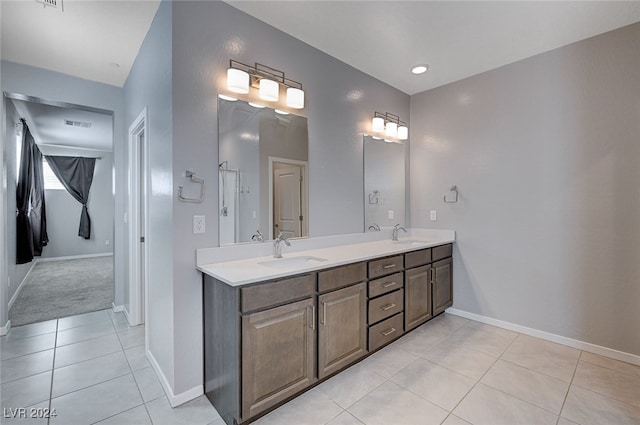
[
  {"x": 283, "y": 263},
  {"x": 409, "y": 242}
]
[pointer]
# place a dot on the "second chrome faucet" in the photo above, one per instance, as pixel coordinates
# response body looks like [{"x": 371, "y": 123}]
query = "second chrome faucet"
[
  {"x": 277, "y": 245},
  {"x": 396, "y": 229}
]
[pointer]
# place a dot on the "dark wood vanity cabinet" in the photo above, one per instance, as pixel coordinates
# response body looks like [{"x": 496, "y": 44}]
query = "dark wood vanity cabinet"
[
  {"x": 266, "y": 342},
  {"x": 278, "y": 355},
  {"x": 428, "y": 285},
  {"x": 342, "y": 328}
]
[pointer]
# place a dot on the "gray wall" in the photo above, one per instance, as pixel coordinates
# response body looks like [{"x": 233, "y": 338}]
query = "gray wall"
[
  {"x": 545, "y": 152},
  {"x": 340, "y": 102},
  {"x": 54, "y": 86},
  {"x": 63, "y": 216},
  {"x": 149, "y": 85}
]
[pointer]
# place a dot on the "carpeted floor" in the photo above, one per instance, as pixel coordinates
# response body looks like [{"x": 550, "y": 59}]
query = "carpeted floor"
[{"x": 64, "y": 288}]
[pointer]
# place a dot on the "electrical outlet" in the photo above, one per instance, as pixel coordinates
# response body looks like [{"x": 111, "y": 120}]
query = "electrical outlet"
[
  {"x": 433, "y": 215},
  {"x": 107, "y": 242},
  {"x": 198, "y": 224}
]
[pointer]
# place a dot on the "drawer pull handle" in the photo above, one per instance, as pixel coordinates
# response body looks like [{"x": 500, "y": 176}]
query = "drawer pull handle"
[
  {"x": 324, "y": 314},
  {"x": 388, "y": 306},
  {"x": 389, "y": 332},
  {"x": 389, "y": 266},
  {"x": 389, "y": 284},
  {"x": 313, "y": 317}
]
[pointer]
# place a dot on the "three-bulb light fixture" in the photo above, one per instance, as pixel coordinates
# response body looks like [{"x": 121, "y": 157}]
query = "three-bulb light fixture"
[
  {"x": 240, "y": 77},
  {"x": 388, "y": 125}
]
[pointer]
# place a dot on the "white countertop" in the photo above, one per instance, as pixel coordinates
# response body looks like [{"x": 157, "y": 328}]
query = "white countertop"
[{"x": 243, "y": 271}]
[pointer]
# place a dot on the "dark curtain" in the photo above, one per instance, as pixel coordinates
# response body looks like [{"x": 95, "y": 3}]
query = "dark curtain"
[
  {"x": 31, "y": 224},
  {"x": 76, "y": 174}
]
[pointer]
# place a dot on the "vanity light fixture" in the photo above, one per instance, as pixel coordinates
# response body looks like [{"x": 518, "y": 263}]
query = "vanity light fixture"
[
  {"x": 390, "y": 125},
  {"x": 256, "y": 105},
  {"x": 225, "y": 97},
  {"x": 240, "y": 77},
  {"x": 278, "y": 111}
]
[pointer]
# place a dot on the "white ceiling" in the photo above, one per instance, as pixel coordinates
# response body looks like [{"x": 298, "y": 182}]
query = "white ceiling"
[
  {"x": 84, "y": 40},
  {"x": 55, "y": 137},
  {"x": 385, "y": 39}
]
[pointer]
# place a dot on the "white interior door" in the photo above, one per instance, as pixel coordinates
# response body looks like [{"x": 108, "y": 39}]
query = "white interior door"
[
  {"x": 142, "y": 219},
  {"x": 287, "y": 193}
]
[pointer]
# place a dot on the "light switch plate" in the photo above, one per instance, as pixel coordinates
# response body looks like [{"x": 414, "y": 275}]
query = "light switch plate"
[
  {"x": 390, "y": 214},
  {"x": 433, "y": 215},
  {"x": 198, "y": 224}
]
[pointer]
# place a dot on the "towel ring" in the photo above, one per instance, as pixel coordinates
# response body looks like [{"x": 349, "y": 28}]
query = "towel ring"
[{"x": 194, "y": 179}]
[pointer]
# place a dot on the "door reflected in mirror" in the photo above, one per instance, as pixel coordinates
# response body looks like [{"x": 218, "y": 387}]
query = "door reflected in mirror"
[
  {"x": 263, "y": 169},
  {"x": 384, "y": 184}
]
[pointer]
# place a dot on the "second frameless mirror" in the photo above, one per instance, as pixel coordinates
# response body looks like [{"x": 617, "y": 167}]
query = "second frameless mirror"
[
  {"x": 263, "y": 169},
  {"x": 384, "y": 184}
]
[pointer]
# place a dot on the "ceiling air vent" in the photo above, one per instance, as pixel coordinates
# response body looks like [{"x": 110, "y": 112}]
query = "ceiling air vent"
[
  {"x": 78, "y": 123},
  {"x": 51, "y": 3}
]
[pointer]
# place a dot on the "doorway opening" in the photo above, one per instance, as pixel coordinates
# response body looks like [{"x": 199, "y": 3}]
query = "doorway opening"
[
  {"x": 136, "y": 308},
  {"x": 64, "y": 274}
]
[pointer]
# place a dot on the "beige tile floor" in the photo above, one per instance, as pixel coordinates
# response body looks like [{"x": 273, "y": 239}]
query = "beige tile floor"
[
  {"x": 453, "y": 371},
  {"x": 91, "y": 368}
]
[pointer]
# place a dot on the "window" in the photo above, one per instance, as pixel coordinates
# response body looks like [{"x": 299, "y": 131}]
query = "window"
[{"x": 51, "y": 182}]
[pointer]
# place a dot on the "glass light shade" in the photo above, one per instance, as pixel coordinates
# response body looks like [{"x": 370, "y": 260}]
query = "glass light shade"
[
  {"x": 256, "y": 105},
  {"x": 403, "y": 132},
  {"x": 278, "y": 111},
  {"x": 225, "y": 97},
  {"x": 295, "y": 98},
  {"x": 391, "y": 129},
  {"x": 377, "y": 124},
  {"x": 269, "y": 90},
  {"x": 237, "y": 81}
]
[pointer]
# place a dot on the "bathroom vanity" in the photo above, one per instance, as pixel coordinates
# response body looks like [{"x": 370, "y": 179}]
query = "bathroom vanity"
[{"x": 274, "y": 328}]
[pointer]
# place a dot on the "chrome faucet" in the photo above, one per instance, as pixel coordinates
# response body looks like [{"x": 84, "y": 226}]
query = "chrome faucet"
[
  {"x": 277, "y": 245},
  {"x": 375, "y": 227},
  {"x": 396, "y": 228},
  {"x": 257, "y": 236}
]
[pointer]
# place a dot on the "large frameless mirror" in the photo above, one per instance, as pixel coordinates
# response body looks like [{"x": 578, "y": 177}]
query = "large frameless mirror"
[
  {"x": 263, "y": 168},
  {"x": 384, "y": 184}
]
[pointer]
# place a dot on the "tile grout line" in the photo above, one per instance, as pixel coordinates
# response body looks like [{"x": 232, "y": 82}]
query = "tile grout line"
[
  {"x": 479, "y": 379},
  {"x": 53, "y": 368},
  {"x": 569, "y": 387}
]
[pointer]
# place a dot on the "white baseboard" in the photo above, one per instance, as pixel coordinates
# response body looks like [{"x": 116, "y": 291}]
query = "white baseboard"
[
  {"x": 74, "y": 257},
  {"x": 117, "y": 308},
  {"x": 175, "y": 400},
  {"x": 5, "y": 329},
  {"x": 570, "y": 342},
  {"x": 24, "y": 280}
]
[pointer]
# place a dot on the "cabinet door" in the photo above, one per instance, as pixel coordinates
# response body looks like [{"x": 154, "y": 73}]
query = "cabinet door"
[
  {"x": 342, "y": 328},
  {"x": 417, "y": 297},
  {"x": 442, "y": 285},
  {"x": 278, "y": 353}
]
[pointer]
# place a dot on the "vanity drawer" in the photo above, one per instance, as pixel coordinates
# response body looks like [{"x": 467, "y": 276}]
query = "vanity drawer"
[
  {"x": 273, "y": 293},
  {"x": 385, "y": 332},
  {"x": 440, "y": 252},
  {"x": 385, "y": 266},
  {"x": 385, "y": 306},
  {"x": 385, "y": 284},
  {"x": 329, "y": 280},
  {"x": 417, "y": 258}
]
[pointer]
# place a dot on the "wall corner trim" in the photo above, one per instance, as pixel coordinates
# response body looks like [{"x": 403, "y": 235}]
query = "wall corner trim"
[
  {"x": 4, "y": 330},
  {"x": 175, "y": 400},
  {"x": 569, "y": 342},
  {"x": 19, "y": 288}
]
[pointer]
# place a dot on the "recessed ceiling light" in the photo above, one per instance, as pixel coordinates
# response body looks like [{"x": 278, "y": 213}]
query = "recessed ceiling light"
[{"x": 420, "y": 69}]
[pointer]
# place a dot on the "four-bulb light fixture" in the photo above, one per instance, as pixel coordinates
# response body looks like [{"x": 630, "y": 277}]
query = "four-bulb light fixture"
[
  {"x": 268, "y": 81},
  {"x": 389, "y": 125}
]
